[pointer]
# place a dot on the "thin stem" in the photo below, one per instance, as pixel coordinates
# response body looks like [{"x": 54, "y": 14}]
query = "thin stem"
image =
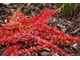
[{"x": 63, "y": 5}]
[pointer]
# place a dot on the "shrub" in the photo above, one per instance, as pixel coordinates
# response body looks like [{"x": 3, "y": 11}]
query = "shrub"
[{"x": 23, "y": 35}]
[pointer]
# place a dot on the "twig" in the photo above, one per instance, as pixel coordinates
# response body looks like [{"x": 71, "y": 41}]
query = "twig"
[
  {"x": 21, "y": 5},
  {"x": 73, "y": 32},
  {"x": 28, "y": 9}
]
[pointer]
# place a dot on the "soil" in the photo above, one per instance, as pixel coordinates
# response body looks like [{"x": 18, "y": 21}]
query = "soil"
[{"x": 69, "y": 25}]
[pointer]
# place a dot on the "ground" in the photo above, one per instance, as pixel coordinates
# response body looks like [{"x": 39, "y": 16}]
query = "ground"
[{"x": 69, "y": 25}]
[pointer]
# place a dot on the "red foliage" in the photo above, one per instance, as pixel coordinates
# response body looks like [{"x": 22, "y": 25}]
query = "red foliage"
[{"x": 27, "y": 35}]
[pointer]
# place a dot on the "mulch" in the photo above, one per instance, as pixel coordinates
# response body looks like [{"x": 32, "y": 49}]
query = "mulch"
[{"x": 69, "y": 25}]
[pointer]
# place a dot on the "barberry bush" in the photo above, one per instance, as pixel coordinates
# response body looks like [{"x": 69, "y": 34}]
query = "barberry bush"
[{"x": 23, "y": 36}]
